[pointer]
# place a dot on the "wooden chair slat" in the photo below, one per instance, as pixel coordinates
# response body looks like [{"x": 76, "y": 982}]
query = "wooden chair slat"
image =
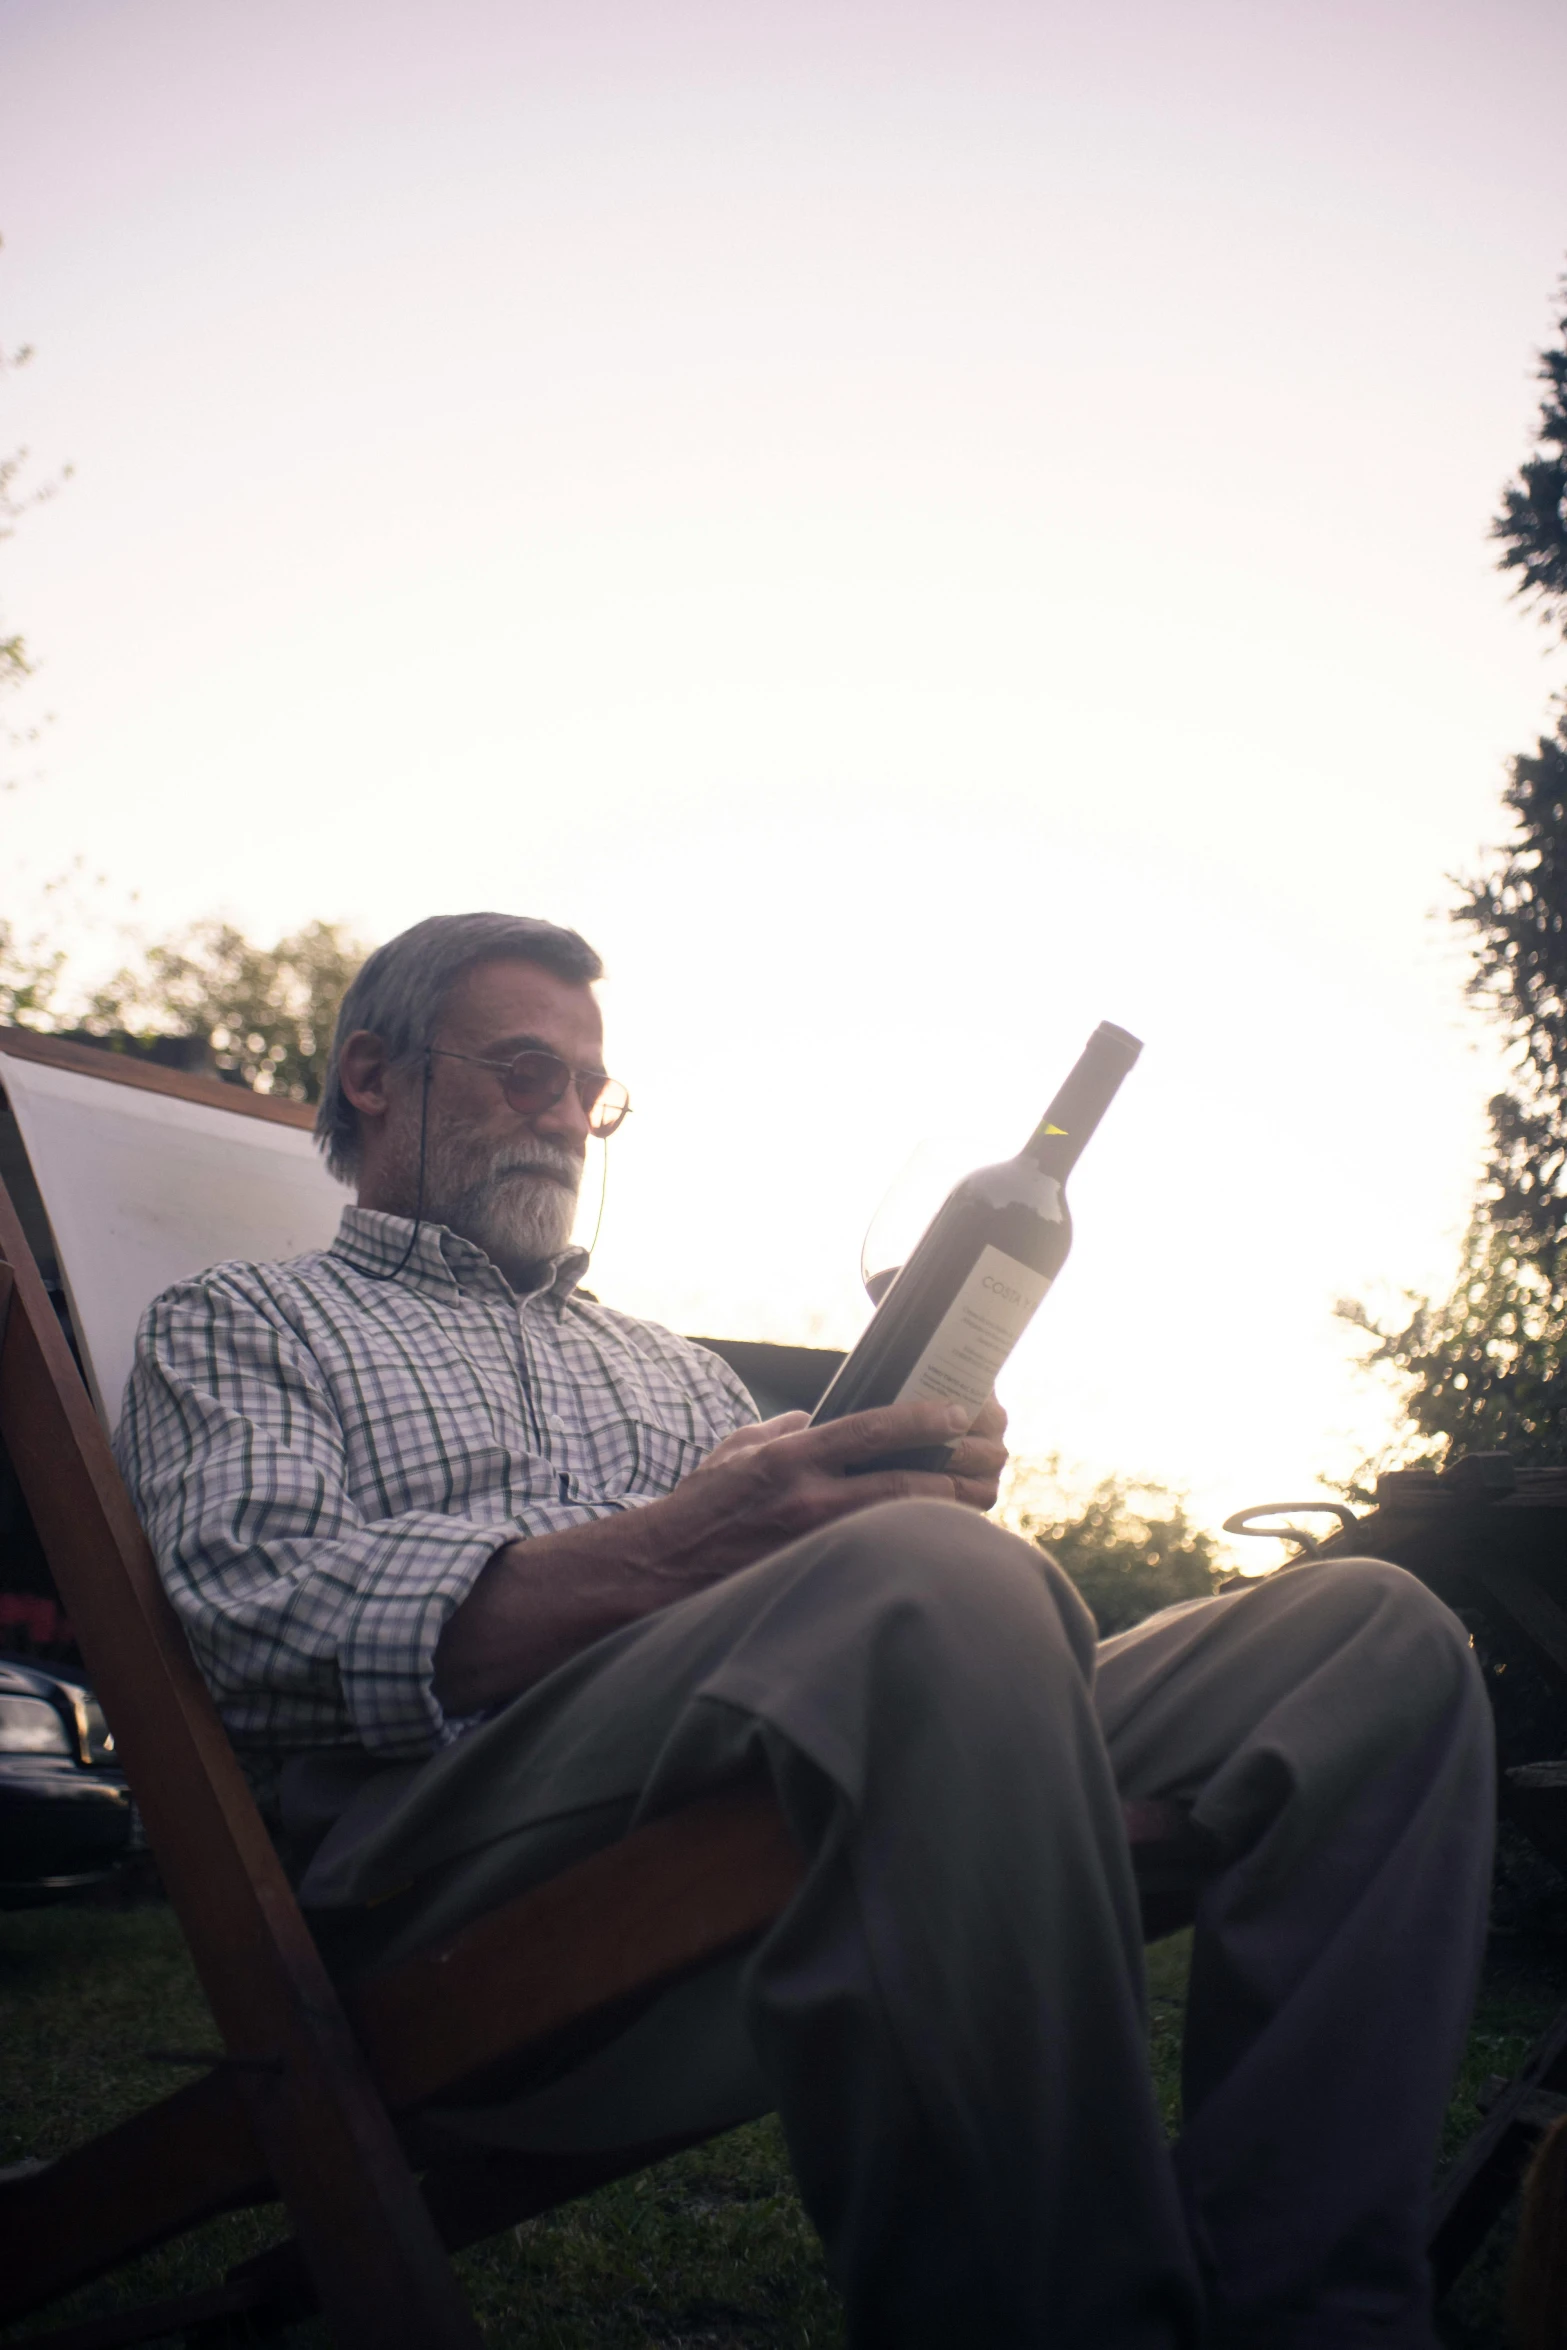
[
  {"x": 158, "y": 2173},
  {"x": 625, "y": 1923},
  {"x": 186, "y": 1085},
  {"x": 472, "y": 2194},
  {"x": 376, "y": 2258}
]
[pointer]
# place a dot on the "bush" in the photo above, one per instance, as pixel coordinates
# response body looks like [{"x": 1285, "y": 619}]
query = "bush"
[{"x": 1129, "y": 1546}]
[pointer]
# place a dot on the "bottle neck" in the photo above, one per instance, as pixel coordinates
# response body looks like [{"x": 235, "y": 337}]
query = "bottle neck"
[
  {"x": 1057, "y": 1142},
  {"x": 1052, "y": 1149}
]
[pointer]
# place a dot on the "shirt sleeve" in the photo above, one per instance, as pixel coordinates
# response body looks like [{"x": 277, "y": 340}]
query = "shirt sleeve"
[{"x": 297, "y": 1605}]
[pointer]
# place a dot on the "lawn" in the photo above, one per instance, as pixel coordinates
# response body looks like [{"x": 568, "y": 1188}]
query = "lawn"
[{"x": 710, "y": 2251}]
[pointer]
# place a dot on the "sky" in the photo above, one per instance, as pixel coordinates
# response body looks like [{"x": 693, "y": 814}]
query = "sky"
[{"x": 917, "y": 528}]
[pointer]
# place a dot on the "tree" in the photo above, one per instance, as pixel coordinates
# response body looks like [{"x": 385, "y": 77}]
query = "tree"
[
  {"x": 1129, "y": 1547},
  {"x": 16, "y": 496},
  {"x": 266, "y": 1013},
  {"x": 1532, "y": 526},
  {"x": 15, "y": 667},
  {"x": 262, "y": 1016},
  {"x": 29, "y": 978},
  {"x": 1518, "y": 916},
  {"x": 1517, "y": 913},
  {"x": 1485, "y": 1370}
]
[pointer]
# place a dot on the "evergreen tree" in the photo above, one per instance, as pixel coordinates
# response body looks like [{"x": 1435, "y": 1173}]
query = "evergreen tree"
[
  {"x": 1532, "y": 526},
  {"x": 1517, "y": 913},
  {"x": 1487, "y": 1371}
]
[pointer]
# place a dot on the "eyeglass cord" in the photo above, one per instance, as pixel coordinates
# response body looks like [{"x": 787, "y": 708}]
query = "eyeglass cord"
[{"x": 598, "y": 1221}]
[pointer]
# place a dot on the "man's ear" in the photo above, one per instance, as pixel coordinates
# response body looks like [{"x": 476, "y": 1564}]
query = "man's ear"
[{"x": 362, "y": 1068}]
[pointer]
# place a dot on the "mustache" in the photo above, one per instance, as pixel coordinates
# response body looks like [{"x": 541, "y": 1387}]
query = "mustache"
[{"x": 553, "y": 1161}]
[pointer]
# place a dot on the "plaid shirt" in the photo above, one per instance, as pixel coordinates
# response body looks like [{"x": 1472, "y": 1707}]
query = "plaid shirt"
[{"x": 324, "y": 1460}]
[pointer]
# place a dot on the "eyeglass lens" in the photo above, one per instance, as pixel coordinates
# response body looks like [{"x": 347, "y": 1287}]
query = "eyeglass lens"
[{"x": 536, "y": 1081}]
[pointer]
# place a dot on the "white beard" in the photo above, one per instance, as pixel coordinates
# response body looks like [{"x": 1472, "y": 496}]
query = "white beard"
[{"x": 519, "y": 1207}]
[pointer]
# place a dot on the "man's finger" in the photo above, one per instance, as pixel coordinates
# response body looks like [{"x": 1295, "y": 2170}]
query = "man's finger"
[
  {"x": 765, "y": 1431},
  {"x": 977, "y": 1493},
  {"x": 991, "y": 1420},
  {"x": 972, "y": 1458},
  {"x": 747, "y": 1439},
  {"x": 892, "y": 1427}
]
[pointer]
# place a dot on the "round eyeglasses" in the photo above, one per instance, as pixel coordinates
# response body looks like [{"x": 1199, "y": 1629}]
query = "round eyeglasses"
[{"x": 535, "y": 1081}]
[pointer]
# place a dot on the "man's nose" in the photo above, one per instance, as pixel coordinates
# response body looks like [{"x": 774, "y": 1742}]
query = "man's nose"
[{"x": 565, "y": 1120}]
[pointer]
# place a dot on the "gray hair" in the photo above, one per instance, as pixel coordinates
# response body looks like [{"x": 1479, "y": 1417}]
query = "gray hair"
[{"x": 400, "y": 992}]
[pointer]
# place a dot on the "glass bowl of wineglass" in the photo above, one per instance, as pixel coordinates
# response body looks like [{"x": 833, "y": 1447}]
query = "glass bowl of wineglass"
[{"x": 907, "y": 1206}]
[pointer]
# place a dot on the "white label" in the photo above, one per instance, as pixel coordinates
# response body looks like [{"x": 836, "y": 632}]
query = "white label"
[{"x": 977, "y": 1332}]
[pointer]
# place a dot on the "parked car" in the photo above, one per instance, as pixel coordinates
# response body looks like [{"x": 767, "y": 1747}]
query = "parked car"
[{"x": 66, "y": 1816}]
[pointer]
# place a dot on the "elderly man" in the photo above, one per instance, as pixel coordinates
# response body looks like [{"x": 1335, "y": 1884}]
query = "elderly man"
[{"x": 482, "y": 1572}]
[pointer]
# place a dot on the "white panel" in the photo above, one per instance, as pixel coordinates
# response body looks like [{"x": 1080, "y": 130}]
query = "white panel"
[{"x": 143, "y": 1189}]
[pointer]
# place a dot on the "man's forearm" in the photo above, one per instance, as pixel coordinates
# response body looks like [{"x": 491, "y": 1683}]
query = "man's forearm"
[
  {"x": 541, "y": 1599},
  {"x": 538, "y": 1601}
]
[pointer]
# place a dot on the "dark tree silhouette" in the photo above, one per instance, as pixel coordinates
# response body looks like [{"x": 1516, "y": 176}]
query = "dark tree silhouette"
[
  {"x": 1518, "y": 915},
  {"x": 1488, "y": 1370},
  {"x": 1517, "y": 912},
  {"x": 1532, "y": 526}
]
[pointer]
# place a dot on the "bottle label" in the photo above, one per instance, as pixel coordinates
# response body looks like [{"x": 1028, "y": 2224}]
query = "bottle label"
[{"x": 977, "y": 1332}]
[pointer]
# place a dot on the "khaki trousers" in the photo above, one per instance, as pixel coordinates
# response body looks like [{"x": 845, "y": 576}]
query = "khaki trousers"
[{"x": 949, "y": 2016}]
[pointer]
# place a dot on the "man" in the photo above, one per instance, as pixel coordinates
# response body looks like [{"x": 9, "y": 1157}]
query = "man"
[{"x": 482, "y": 1572}]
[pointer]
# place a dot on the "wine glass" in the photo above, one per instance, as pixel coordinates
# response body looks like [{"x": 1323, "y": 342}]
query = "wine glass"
[{"x": 907, "y": 1206}]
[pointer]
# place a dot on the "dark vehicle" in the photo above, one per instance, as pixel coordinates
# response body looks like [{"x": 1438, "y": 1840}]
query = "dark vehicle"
[{"x": 66, "y": 1817}]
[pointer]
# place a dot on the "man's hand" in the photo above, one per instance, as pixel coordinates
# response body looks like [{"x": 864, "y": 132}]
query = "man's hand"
[
  {"x": 974, "y": 1471},
  {"x": 977, "y": 1463},
  {"x": 538, "y": 1602},
  {"x": 768, "y": 1485}
]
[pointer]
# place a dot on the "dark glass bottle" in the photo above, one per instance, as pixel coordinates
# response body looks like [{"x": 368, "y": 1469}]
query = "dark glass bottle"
[{"x": 954, "y": 1312}]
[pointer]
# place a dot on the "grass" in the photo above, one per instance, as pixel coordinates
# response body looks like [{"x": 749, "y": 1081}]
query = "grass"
[{"x": 710, "y": 2251}]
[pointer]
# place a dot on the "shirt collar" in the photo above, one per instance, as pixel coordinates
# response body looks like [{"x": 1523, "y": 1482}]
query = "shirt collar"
[{"x": 440, "y": 1259}]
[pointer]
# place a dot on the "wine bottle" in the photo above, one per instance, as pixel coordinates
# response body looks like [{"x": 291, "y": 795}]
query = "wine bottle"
[{"x": 975, "y": 1278}]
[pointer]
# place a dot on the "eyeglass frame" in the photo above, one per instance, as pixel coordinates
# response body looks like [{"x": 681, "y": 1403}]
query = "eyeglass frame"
[{"x": 571, "y": 1080}]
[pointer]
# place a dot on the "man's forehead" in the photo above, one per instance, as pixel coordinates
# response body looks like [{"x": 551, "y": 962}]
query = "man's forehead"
[{"x": 505, "y": 997}]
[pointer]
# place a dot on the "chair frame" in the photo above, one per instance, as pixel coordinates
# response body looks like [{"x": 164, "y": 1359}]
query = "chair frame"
[{"x": 316, "y": 2095}]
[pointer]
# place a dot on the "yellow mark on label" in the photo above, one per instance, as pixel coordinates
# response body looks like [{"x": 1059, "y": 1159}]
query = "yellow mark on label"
[{"x": 1055, "y": 1130}]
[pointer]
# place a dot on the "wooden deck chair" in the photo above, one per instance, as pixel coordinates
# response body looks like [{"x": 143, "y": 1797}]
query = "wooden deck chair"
[{"x": 316, "y": 2095}]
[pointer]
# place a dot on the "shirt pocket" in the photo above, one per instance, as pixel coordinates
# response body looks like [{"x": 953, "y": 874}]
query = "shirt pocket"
[{"x": 624, "y": 1459}]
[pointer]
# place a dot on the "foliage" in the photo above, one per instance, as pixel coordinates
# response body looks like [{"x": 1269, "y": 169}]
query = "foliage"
[
  {"x": 267, "y": 1012},
  {"x": 29, "y": 979},
  {"x": 1129, "y": 1546},
  {"x": 1532, "y": 526},
  {"x": 1518, "y": 915},
  {"x": 263, "y": 1016},
  {"x": 1487, "y": 1370},
  {"x": 1484, "y": 1370},
  {"x": 14, "y": 663},
  {"x": 16, "y": 496}
]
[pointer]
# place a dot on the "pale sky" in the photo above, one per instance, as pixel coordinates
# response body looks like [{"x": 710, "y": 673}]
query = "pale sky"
[{"x": 917, "y": 528}]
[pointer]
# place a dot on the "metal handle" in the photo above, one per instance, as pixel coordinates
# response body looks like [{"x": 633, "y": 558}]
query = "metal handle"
[{"x": 1241, "y": 1522}]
